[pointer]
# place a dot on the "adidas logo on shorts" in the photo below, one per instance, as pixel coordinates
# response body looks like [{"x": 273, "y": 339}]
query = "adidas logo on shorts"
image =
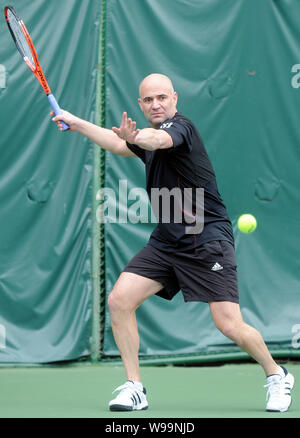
[{"x": 217, "y": 267}]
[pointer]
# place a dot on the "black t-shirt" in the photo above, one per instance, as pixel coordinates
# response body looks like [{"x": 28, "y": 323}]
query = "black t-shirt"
[{"x": 174, "y": 179}]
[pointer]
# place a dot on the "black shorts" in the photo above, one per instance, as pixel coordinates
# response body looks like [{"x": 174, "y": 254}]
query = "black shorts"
[{"x": 206, "y": 274}]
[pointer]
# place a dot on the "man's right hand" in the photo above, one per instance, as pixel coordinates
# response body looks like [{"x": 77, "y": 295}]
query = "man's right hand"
[{"x": 68, "y": 118}]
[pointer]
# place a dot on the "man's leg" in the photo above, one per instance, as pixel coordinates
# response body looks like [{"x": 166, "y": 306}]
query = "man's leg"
[
  {"x": 228, "y": 319},
  {"x": 128, "y": 293}
]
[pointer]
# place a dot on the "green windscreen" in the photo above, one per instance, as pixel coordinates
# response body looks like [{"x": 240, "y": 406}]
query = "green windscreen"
[
  {"x": 47, "y": 186},
  {"x": 236, "y": 67}
]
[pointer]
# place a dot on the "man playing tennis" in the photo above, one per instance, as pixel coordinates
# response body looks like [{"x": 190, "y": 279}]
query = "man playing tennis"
[{"x": 202, "y": 265}]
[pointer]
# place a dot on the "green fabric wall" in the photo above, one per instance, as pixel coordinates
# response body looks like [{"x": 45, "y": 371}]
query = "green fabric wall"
[
  {"x": 47, "y": 186},
  {"x": 235, "y": 65}
]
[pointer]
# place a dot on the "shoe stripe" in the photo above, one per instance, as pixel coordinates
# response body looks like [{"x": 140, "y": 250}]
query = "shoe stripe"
[
  {"x": 135, "y": 400},
  {"x": 138, "y": 397}
]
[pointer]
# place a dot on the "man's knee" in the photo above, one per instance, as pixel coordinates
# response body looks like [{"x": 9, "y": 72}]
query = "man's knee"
[
  {"x": 130, "y": 291},
  {"x": 119, "y": 301},
  {"x": 228, "y": 328},
  {"x": 227, "y": 318}
]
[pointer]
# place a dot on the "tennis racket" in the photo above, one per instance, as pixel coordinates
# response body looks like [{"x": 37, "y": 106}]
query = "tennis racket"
[{"x": 26, "y": 48}]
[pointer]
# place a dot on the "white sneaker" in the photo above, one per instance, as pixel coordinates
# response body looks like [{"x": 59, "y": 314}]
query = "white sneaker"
[
  {"x": 132, "y": 397},
  {"x": 279, "y": 391}
]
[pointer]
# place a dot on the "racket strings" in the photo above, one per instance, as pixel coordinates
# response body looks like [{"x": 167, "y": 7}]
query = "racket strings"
[{"x": 20, "y": 39}]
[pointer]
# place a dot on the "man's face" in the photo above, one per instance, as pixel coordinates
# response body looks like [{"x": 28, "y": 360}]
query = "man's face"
[{"x": 157, "y": 100}]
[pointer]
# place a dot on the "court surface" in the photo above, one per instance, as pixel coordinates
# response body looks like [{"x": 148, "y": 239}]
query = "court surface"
[{"x": 84, "y": 390}]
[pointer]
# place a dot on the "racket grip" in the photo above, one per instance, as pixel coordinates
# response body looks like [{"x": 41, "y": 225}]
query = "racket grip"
[{"x": 57, "y": 110}]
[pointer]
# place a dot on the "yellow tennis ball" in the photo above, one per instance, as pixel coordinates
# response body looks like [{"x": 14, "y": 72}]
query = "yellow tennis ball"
[{"x": 247, "y": 223}]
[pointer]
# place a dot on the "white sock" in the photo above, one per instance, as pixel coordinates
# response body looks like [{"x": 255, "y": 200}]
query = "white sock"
[
  {"x": 279, "y": 372},
  {"x": 138, "y": 385}
]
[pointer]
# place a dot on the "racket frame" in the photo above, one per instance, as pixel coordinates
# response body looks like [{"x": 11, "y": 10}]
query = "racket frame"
[{"x": 36, "y": 69}]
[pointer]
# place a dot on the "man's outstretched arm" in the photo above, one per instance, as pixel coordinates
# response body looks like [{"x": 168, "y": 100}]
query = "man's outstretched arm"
[{"x": 105, "y": 138}]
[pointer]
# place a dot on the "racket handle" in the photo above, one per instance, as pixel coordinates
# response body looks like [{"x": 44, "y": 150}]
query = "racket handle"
[{"x": 57, "y": 110}]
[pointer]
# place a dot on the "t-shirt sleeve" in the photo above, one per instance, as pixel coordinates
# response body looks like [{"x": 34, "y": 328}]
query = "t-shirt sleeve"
[
  {"x": 139, "y": 152},
  {"x": 181, "y": 133}
]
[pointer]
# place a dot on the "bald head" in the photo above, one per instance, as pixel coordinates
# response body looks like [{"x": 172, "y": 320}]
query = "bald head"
[
  {"x": 157, "y": 98},
  {"x": 156, "y": 79}
]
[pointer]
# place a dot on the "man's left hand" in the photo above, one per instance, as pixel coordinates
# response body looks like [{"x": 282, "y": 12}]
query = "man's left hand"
[{"x": 127, "y": 130}]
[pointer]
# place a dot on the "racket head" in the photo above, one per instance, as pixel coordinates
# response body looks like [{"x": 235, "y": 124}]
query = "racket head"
[{"x": 25, "y": 45}]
